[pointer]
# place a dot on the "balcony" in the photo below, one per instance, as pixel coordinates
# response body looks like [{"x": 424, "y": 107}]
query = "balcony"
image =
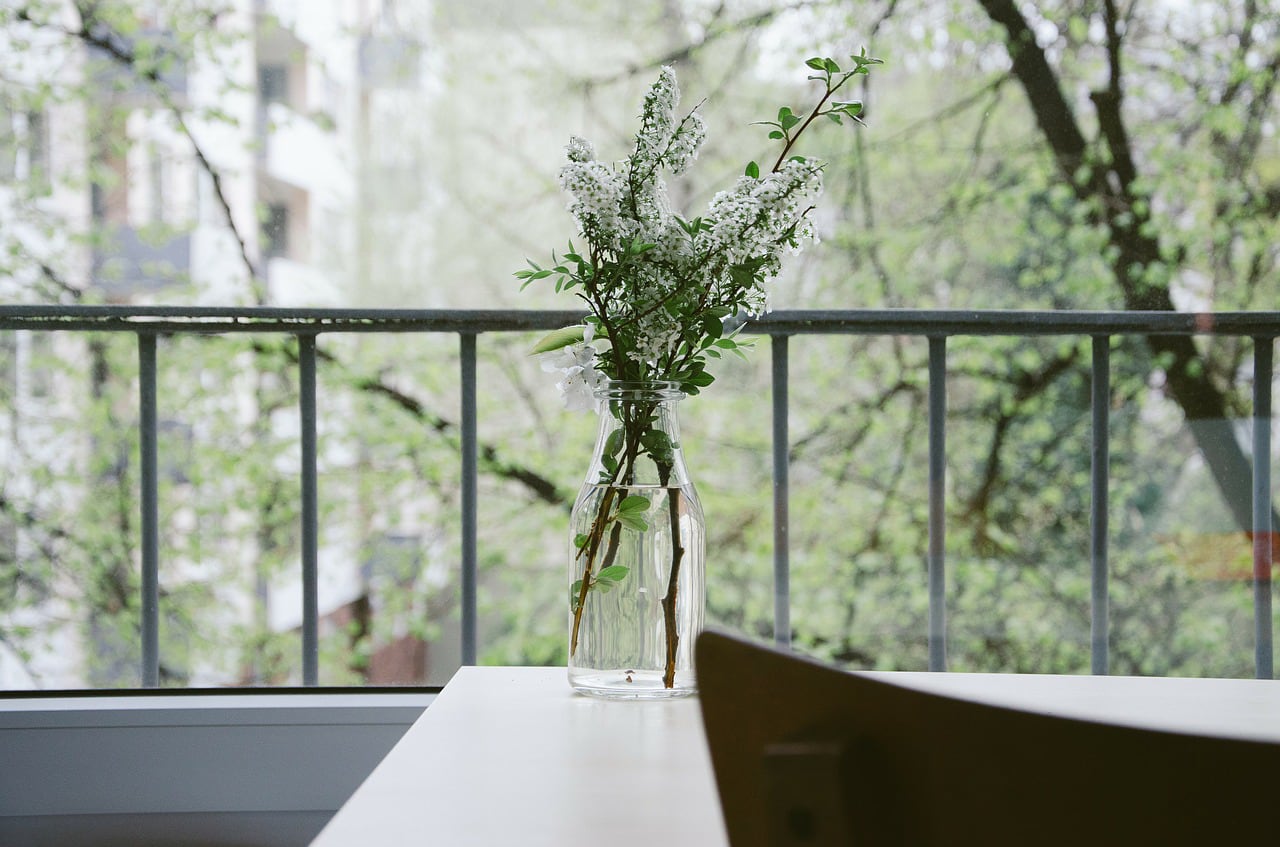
[
  {"x": 46, "y": 727},
  {"x": 295, "y": 150}
]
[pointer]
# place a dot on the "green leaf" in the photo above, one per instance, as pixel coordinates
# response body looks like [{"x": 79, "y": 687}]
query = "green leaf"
[
  {"x": 701, "y": 379},
  {"x": 712, "y": 326},
  {"x": 743, "y": 276},
  {"x": 1078, "y": 28},
  {"x": 776, "y": 134},
  {"x": 613, "y": 443},
  {"x": 613, "y": 573},
  {"x": 574, "y": 593},
  {"x": 789, "y": 121},
  {"x": 634, "y": 503},
  {"x": 816, "y": 63},
  {"x": 556, "y": 339},
  {"x": 580, "y": 540},
  {"x": 753, "y": 170},
  {"x": 830, "y": 66},
  {"x": 833, "y": 117},
  {"x": 861, "y": 59},
  {"x": 632, "y": 520},
  {"x": 656, "y": 441}
]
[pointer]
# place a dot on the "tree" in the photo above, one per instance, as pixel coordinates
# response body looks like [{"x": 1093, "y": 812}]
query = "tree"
[{"x": 1075, "y": 193}]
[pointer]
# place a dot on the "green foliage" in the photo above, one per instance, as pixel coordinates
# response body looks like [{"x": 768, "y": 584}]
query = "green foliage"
[{"x": 953, "y": 200}]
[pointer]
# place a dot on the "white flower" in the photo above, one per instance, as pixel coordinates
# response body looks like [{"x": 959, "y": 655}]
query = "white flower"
[
  {"x": 578, "y": 388},
  {"x": 579, "y": 150},
  {"x": 760, "y": 217},
  {"x": 658, "y": 116},
  {"x": 580, "y": 376},
  {"x": 596, "y": 192},
  {"x": 684, "y": 145}
]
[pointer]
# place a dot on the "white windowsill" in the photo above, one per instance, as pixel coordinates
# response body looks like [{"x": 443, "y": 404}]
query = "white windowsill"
[{"x": 187, "y": 754}]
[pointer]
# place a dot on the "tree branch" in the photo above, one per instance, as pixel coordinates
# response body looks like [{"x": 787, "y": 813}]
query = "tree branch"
[
  {"x": 1053, "y": 114},
  {"x": 489, "y": 456},
  {"x": 712, "y": 34}
]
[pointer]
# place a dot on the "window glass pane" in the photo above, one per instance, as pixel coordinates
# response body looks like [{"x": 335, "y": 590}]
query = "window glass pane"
[
  {"x": 418, "y": 164},
  {"x": 273, "y": 83}
]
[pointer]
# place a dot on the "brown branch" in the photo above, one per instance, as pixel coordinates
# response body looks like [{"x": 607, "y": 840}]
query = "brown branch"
[
  {"x": 670, "y": 626},
  {"x": 709, "y": 36},
  {"x": 1027, "y": 385},
  {"x": 1108, "y": 102},
  {"x": 490, "y": 458},
  {"x": 1053, "y": 114},
  {"x": 59, "y": 281}
]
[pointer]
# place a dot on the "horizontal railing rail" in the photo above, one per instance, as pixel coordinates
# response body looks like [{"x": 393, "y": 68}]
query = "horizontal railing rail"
[
  {"x": 150, "y": 322},
  {"x": 918, "y": 322}
]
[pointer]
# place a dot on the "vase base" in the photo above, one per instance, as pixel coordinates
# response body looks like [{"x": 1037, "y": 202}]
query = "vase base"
[{"x": 633, "y": 685}]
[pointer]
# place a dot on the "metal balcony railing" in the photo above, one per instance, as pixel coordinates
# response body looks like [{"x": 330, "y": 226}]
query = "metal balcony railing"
[{"x": 148, "y": 323}]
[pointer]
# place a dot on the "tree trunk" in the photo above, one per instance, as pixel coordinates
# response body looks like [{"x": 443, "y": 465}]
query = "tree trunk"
[{"x": 1108, "y": 184}]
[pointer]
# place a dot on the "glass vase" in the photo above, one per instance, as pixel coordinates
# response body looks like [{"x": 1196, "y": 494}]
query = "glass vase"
[{"x": 637, "y": 546}]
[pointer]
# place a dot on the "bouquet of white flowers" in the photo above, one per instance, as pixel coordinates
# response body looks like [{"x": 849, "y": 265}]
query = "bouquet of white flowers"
[{"x": 659, "y": 289}]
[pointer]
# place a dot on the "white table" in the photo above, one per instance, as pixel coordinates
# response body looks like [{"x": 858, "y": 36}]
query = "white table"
[{"x": 512, "y": 756}]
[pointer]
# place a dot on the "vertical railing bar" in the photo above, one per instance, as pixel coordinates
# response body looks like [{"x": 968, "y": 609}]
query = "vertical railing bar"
[
  {"x": 1263, "y": 540},
  {"x": 150, "y": 503},
  {"x": 1100, "y": 471},
  {"x": 937, "y": 503},
  {"x": 781, "y": 495},
  {"x": 469, "y": 485},
  {"x": 310, "y": 511}
]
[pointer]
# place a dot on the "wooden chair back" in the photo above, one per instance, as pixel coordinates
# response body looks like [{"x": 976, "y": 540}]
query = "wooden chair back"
[{"x": 806, "y": 754}]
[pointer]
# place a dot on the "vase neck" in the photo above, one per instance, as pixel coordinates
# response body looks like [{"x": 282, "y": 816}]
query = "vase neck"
[{"x": 638, "y": 440}]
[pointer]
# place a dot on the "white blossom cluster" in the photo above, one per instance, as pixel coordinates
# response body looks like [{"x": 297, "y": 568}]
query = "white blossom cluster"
[
  {"x": 653, "y": 297},
  {"x": 597, "y": 194},
  {"x": 760, "y": 216},
  {"x": 580, "y": 379}
]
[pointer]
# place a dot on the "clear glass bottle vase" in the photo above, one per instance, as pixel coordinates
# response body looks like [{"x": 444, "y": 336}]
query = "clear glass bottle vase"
[{"x": 637, "y": 546}]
